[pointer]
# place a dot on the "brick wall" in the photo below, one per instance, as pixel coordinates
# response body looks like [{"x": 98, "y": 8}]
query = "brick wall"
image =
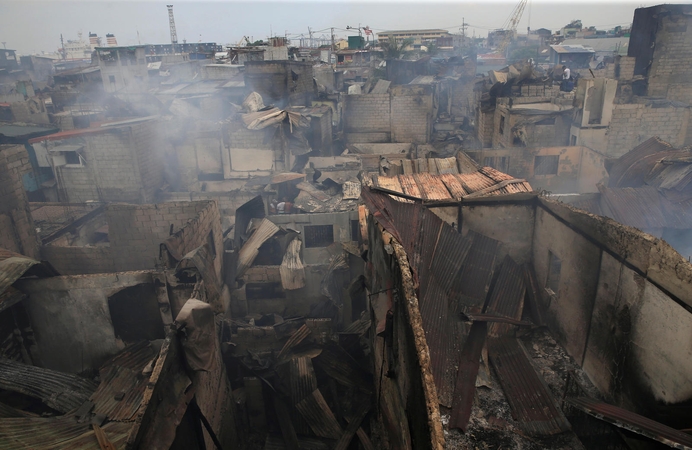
[
  {"x": 136, "y": 232},
  {"x": 17, "y": 231},
  {"x": 632, "y": 124}
]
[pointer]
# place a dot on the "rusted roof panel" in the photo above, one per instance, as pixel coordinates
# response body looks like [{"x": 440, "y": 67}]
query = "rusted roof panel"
[
  {"x": 495, "y": 174},
  {"x": 475, "y": 181},
  {"x": 120, "y": 393},
  {"x": 61, "y": 391},
  {"x": 57, "y": 432},
  {"x": 533, "y": 294},
  {"x": 454, "y": 186},
  {"x": 465, "y": 388},
  {"x": 341, "y": 366},
  {"x": 391, "y": 183},
  {"x": 446, "y": 165},
  {"x": 250, "y": 250},
  {"x": 431, "y": 187},
  {"x": 409, "y": 186},
  {"x": 532, "y": 403},
  {"x": 277, "y": 443},
  {"x": 628, "y": 420},
  {"x": 507, "y": 297}
]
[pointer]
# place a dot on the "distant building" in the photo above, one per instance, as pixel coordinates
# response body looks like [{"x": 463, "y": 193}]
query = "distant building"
[
  {"x": 8, "y": 60},
  {"x": 573, "y": 56},
  {"x": 123, "y": 68},
  {"x": 418, "y": 36}
]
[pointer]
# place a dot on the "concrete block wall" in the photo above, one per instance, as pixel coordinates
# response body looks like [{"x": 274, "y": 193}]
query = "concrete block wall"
[
  {"x": 123, "y": 164},
  {"x": 402, "y": 115},
  {"x": 485, "y": 126},
  {"x": 17, "y": 231},
  {"x": 76, "y": 184},
  {"x": 632, "y": 124},
  {"x": 411, "y": 113},
  {"x": 463, "y": 98},
  {"x": 367, "y": 113},
  {"x": 30, "y": 111},
  {"x": 669, "y": 75},
  {"x": 79, "y": 260},
  {"x": 136, "y": 232},
  {"x": 227, "y": 202},
  {"x": 281, "y": 82}
]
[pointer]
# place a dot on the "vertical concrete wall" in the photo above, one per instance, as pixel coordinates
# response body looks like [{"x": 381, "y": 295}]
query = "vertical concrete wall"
[
  {"x": 411, "y": 113},
  {"x": 367, "y": 118},
  {"x": 669, "y": 75},
  {"x": 123, "y": 164},
  {"x": 71, "y": 319},
  {"x": 17, "y": 231},
  {"x": 281, "y": 82}
]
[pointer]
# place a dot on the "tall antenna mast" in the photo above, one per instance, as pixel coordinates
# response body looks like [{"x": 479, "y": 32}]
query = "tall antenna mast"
[{"x": 171, "y": 22}]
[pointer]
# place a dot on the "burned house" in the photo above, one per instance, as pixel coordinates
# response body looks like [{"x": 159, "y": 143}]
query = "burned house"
[
  {"x": 119, "y": 161},
  {"x": 647, "y": 189},
  {"x": 450, "y": 306}
]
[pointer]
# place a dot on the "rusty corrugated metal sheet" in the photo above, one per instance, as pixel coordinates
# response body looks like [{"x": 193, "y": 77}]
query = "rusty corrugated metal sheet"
[
  {"x": 507, "y": 297},
  {"x": 633, "y": 422},
  {"x": 319, "y": 416},
  {"x": 446, "y": 165},
  {"x": 391, "y": 183},
  {"x": 340, "y": 365},
  {"x": 431, "y": 187},
  {"x": 250, "y": 250},
  {"x": 277, "y": 443},
  {"x": 61, "y": 391},
  {"x": 475, "y": 181},
  {"x": 120, "y": 393},
  {"x": 495, "y": 174},
  {"x": 409, "y": 185},
  {"x": 471, "y": 286},
  {"x": 10, "y": 297},
  {"x": 303, "y": 382},
  {"x": 631, "y": 169},
  {"x": 12, "y": 267},
  {"x": 465, "y": 387},
  {"x": 57, "y": 433},
  {"x": 533, "y": 294},
  {"x": 454, "y": 186},
  {"x": 532, "y": 403}
]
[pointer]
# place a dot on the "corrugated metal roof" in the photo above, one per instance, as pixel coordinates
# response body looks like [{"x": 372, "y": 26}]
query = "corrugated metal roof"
[
  {"x": 250, "y": 250},
  {"x": 572, "y": 49},
  {"x": 472, "y": 284},
  {"x": 507, "y": 297},
  {"x": 423, "y": 79},
  {"x": 465, "y": 388},
  {"x": 382, "y": 87},
  {"x": 532, "y": 403},
  {"x": 12, "y": 267},
  {"x": 631, "y": 169},
  {"x": 122, "y": 386},
  {"x": 305, "y": 443},
  {"x": 631, "y": 421},
  {"x": 25, "y": 131},
  {"x": 61, "y": 391},
  {"x": 451, "y": 186},
  {"x": 57, "y": 433},
  {"x": 644, "y": 208},
  {"x": 611, "y": 44},
  {"x": 319, "y": 416}
]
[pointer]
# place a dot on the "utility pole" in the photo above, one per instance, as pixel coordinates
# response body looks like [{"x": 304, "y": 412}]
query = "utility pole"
[
  {"x": 62, "y": 44},
  {"x": 310, "y": 33},
  {"x": 333, "y": 45},
  {"x": 171, "y": 23},
  {"x": 4, "y": 44},
  {"x": 464, "y": 25}
]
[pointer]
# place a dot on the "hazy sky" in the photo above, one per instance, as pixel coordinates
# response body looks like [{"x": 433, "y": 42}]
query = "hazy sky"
[{"x": 30, "y": 26}]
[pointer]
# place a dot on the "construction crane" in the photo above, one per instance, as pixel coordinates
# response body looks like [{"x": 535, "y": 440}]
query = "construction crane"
[
  {"x": 171, "y": 23},
  {"x": 510, "y": 26}
]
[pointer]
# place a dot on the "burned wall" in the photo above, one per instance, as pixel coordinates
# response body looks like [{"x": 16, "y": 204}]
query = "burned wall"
[
  {"x": 632, "y": 124},
  {"x": 562, "y": 170},
  {"x": 281, "y": 82},
  {"x": 123, "y": 164},
  {"x": 71, "y": 318},
  {"x": 407, "y": 395},
  {"x": 136, "y": 232},
  {"x": 623, "y": 307},
  {"x": 367, "y": 118},
  {"x": 17, "y": 231}
]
